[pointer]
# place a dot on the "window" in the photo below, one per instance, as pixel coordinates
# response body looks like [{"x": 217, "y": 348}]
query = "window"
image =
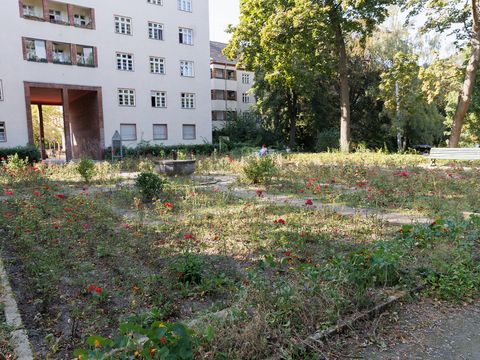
[
  {"x": 85, "y": 56},
  {"x": 126, "y": 97},
  {"x": 123, "y": 25},
  {"x": 218, "y": 74},
  {"x": 80, "y": 20},
  {"x": 124, "y": 62},
  {"x": 218, "y": 94},
  {"x": 189, "y": 132},
  {"x": 128, "y": 132},
  {"x": 184, "y": 5},
  {"x": 219, "y": 115},
  {"x": 155, "y": 31},
  {"x": 160, "y": 132},
  {"x": 245, "y": 98},
  {"x": 155, "y": 2},
  {"x": 1, "y": 90},
  {"x": 61, "y": 53},
  {"x": 188, "y": 101},
  {"x": 28, "y": 10},
  {"x": 245, "y": 78},
  {"x": 185, "y": 36},
  {"x": 159, "y": 99},
  {"x": 186, "y": 68},
  {"x": 231, "y": 95},
  {"x": 36, "y": 50},
  {"x": 157, "y": 65},
  {"x": 3, "y": 132},
  {"x": 231, "y": 75},
  {"x": 55, "y": 15}
]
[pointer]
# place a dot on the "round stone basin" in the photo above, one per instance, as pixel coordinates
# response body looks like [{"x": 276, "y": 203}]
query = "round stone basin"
[{"x": 175, "y": 167}]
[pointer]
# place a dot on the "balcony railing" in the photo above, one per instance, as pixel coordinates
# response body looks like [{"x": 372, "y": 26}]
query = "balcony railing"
[
  {"x": 58, "y": 13},
  {"x": 61, "y": 58}
]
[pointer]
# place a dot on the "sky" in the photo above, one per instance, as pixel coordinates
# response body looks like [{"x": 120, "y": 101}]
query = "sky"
[{"x": 223, "y": 13}]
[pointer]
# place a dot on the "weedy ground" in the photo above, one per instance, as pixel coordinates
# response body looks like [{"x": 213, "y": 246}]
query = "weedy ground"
[{"x": 82, "y": 261}]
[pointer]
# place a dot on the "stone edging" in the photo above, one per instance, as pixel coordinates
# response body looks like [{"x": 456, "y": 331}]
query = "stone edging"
[{"x": 19, "y": 337}]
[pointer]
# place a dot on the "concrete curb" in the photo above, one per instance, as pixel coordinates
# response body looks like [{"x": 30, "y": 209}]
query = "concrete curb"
[{"x": 19, "y": 337}]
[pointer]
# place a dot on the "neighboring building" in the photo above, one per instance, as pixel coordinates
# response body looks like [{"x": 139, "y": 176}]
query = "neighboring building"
[
  {"x": 137, "y": 67},
  {"x": 231, "y": 86}
]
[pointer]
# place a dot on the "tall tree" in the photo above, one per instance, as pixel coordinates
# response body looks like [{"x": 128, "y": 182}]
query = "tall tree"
[
  {"x": 347, "y": 18},
  {"x": 464, "y": 18}
]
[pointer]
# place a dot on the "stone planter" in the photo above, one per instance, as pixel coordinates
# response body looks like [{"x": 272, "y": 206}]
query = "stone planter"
[{"x": 175, "y": 167}]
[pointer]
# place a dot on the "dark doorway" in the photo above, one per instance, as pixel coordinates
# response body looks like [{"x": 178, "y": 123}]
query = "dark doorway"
[{"x": 82, "y": 117}]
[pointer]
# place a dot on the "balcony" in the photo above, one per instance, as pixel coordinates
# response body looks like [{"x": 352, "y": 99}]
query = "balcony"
[
  {"x": 61, "y": 53},
  {"x": 82, "y": 17},
  {"x": 32, "y": 9},
  {"x": 85, "y": 56},
  {"x": 58, "y": 13},
  {"x": 35, "y": 50}
]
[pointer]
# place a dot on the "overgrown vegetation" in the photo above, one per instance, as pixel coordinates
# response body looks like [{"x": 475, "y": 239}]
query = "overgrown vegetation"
[{"x": 138, "y": 270}]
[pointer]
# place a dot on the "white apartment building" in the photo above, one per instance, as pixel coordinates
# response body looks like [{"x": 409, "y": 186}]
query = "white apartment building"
[
  {"x": 231, "y": 86},
  {"x": 137, "y": 67}
]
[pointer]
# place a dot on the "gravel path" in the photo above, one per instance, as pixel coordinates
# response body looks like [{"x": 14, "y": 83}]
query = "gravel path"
[{"x": 426, "y": 330}]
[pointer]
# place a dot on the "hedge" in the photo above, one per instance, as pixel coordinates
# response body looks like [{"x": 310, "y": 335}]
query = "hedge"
[
  {"x": 24, "y": 152},
  {"x": 162, "y": 151}
]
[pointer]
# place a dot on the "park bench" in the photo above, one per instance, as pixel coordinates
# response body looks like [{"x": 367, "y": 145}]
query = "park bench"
[{"x": 454, "y": 154}]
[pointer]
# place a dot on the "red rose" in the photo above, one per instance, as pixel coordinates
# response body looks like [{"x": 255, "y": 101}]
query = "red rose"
[
  {"x": 309, "y": 202},
  {"x": 188, "y": 236},
  {"x": 91, "y": 287},
  {"x": 60, "y": 196},
  {"x": 98, "y": 290}
]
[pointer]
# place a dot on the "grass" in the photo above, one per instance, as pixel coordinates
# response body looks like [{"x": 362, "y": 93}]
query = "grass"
[{"x": 87, "y": 261}]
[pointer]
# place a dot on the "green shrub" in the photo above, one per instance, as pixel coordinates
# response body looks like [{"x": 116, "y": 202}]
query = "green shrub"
[
  {"x": 134, "y": 341},
  {"x": 259, "y": 170},
  {"x": 190, "y": 269},
  {"x": 86, "y": 169},
  {"x": 150, "y": 186},
  {"x": 147, "y": 150},
  {"x": 29, "y": 153},
  {"x": 327, "y": 140}
]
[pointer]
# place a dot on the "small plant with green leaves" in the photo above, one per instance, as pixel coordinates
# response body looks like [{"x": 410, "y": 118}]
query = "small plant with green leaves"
[
  {"x": 259, "y": 170},
  {"x": 150, "y": 186},
  {"x": 136, "y": 341},
  {"x": 86, "y": 169}
]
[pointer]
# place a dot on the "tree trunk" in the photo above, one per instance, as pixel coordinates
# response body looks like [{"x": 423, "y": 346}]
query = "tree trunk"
[
  {"x": 292, "y": 112},
  {"x": 465, "y": 96},
  {"x": 343, "y": 78}
]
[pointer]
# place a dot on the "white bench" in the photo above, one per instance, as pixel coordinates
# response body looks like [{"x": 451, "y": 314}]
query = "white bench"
[{"x": 454, "y": 154}]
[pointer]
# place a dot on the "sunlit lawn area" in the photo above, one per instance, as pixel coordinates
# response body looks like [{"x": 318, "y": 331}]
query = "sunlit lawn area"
[{"x": 83, "y": 261}]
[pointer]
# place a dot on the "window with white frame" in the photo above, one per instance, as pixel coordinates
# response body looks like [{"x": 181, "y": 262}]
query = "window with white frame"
[
  {"x": 187, "y": 68},
  {"x": 184, "y": 5},
  {"x": 128, "y": 132},
  {"x": 3, "y": 132},
  {"x": 159, "y": 99},
  {"x": 123, "y": 25},
  {"x": 1, "y": 90},
  {"x": 155, "y": 31},
  {"x": 185, "y": 36},
  {"x": 160, "y": 132},
  {"x": 188, "y": 100},
  {"x": 245, "y": 98},
  {"x": 126, "y": 97},
  {"x": 189, "y": 132},
  {"x": 245, "y": 78},
  {"x": 155, "y": 2},
  {"x": 124, "y": 62},
  {"x": 80, "y": 20},
  {"x": 55, "y": 15},
  {"x": 157, "y": 65},
  {"x": 28, "y": 10}
]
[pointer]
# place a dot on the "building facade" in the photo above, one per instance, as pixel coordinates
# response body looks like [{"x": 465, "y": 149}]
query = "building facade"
[
  {"x": 231, "y": 87},
  {"x": 136, "y": 67}
]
